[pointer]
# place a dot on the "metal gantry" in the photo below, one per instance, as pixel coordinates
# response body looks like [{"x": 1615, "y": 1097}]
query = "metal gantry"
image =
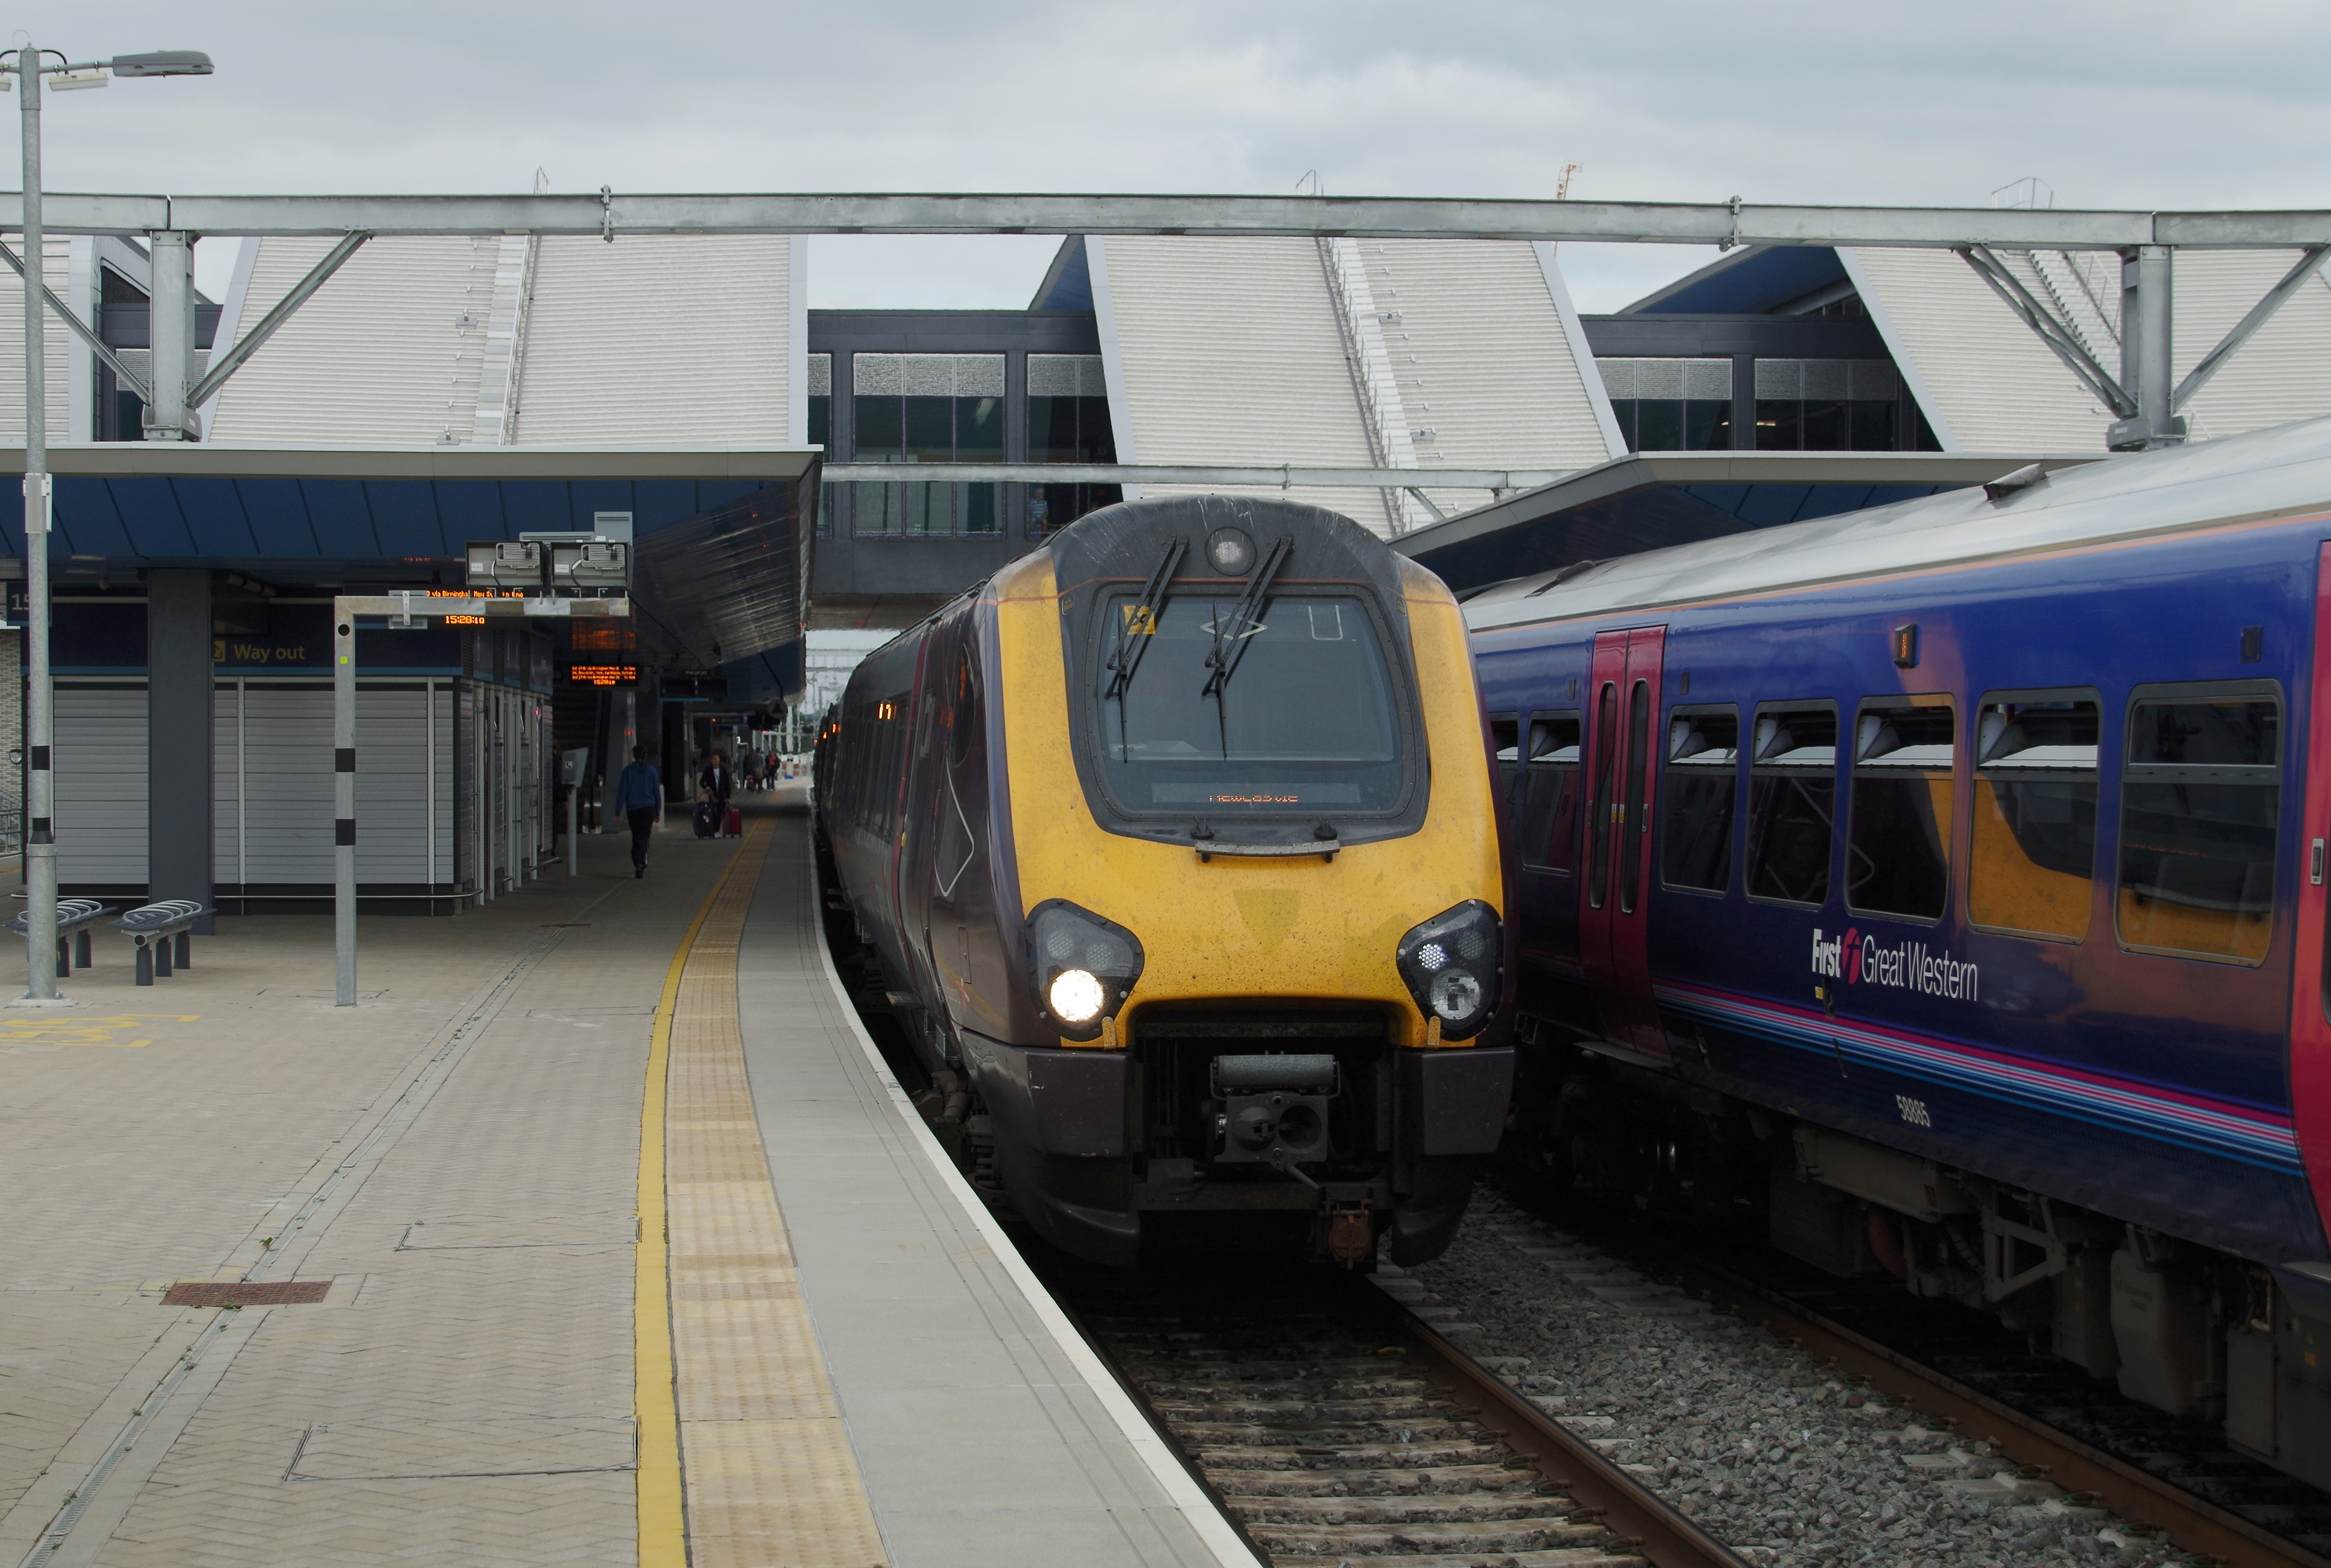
[{"x": 2141, "y": 394}]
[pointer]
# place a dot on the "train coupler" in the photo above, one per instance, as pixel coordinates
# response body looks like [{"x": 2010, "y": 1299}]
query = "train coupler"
[{"x": 1351, "y": 1234}]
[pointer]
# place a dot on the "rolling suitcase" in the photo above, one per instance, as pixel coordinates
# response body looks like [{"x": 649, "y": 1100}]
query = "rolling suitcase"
[
  {"x": 707, "y": 819},
  {"x": 734, "y": 826}
]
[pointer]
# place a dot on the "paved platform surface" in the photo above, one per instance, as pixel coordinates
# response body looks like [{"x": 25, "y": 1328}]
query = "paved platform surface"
[{"x": 460, "y": 1157}]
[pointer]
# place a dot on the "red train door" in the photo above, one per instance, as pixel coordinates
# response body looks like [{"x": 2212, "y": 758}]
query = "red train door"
[
  {"x": 1622, "y": 772},
  {"x": 2310, "y": 1004}
]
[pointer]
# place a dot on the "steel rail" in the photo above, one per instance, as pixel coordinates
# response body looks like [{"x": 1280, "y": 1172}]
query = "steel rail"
[
  {"x": 1645, "y": 1522},
  {"x": 1727, "y": 223},
  {"x": 2195, "y": 1523}
]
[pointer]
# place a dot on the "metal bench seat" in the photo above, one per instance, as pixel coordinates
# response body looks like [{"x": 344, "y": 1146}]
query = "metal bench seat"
[
  {"x": 151, "y": 927},
  {"x": 74, "y": 918}
]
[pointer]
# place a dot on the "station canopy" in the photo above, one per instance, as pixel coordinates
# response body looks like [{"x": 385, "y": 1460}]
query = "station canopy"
[{"x": 721, "y": 538}]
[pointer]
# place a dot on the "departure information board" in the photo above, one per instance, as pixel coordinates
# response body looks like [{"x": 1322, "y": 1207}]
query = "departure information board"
[{"x": 603, "y": 674}]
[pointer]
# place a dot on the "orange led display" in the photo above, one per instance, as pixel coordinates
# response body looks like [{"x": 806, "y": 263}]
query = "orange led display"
[{"x": 603, "y": 674}]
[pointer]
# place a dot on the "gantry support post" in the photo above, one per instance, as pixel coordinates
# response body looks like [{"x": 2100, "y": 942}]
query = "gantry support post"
[
  {"x": 2146, "y": 277},
  {"x": 173, "y": 327}
]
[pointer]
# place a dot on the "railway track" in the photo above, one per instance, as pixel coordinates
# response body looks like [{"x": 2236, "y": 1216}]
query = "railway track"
[
  {"x": 1341, "y": 1432},
  {"x": 1979, "y": 1382}
]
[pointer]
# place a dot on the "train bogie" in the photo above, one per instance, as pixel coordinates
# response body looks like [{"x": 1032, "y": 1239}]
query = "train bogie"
[{"x": 1178, "y": 839}]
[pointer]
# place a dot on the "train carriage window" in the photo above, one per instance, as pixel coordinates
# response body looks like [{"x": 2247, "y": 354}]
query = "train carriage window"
[
  {"x": 1311, "y": 726},
  {"x": 1505, "y": 748},
  {"x": 1898, "y": 839},
  {"x": 963, "y": 718},
  {"x": 1549, "y": 827},
  {"x": 2033, "y": 864},
  {"x": 1636, "y": 823},
  {"x": 1598, "y": 803},
  {"x": 1702, "y": 784},
  {"x": 1792, "y": 801},
  {"x": 2201, "y": 798}
]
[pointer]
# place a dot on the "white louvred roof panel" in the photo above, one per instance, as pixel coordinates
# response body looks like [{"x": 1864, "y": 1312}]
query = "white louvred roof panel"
[
  {"x": 2283, "y": 373},
  {"x": 57, "y": 347},
  {"x": 378, "y": 357},
  {"x": 1232, "y": 356},
  {"x": 675, "y": 338},
  {"x": 1483, "y": 359},
  {"x": 1233, "y": 353},
  {"x": 1990, "y": 384}
]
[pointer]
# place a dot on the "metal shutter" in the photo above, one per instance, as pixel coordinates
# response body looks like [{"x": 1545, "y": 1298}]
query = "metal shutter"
[
  {"x": 274, "y": 801},
  {"x": 100, "y": 784}
]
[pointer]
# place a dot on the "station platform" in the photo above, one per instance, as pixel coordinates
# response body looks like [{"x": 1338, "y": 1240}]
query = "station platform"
[{"x": 597, "y": 1233}]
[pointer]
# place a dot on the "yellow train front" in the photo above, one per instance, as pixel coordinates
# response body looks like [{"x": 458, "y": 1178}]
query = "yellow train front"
[{"x": 1176, "y": 843}]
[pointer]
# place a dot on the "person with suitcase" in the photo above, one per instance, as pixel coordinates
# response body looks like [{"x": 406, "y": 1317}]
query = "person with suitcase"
[{"x": 718, "y": 783}]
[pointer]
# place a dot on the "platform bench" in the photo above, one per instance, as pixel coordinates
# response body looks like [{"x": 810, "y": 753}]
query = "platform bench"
[
  {"x": 74, "y": 918},
  {"x": 151, "y": 927}
]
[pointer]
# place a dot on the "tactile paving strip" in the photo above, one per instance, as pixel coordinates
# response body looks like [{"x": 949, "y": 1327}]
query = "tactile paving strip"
[{"x": 769, "y": 1473}]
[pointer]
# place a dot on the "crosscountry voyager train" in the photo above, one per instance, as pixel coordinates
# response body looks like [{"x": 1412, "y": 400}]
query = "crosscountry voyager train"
[
  {"x": 1947, "y": 881},
  {"x": 1177, "y": 843}
]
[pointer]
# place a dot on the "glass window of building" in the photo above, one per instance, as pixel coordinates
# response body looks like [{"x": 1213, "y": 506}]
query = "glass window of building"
[
  {"x": 1828, "y": 406},
  {"x": 1671, "y": 405},
  {"x": 1068, "y": 421},
  {"x": 821, "y": 431},
  {"x": 927, "y": 408}
]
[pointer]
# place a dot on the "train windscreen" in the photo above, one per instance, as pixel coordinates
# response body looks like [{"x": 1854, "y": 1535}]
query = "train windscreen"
[{"x": 1289, "y": 710}]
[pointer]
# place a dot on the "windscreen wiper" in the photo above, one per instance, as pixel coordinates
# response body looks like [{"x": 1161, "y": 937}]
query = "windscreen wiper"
[
  {"x": 1242, "y": 624},
  {"x": 1140, "y": 626}
]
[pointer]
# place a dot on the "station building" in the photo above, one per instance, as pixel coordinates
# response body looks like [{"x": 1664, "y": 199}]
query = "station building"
[{"x": 678, "y": 389}]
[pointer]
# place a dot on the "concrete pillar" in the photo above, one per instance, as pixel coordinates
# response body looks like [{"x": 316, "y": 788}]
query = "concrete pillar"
[
  {"x": 178, "y": 710},
  {"x": 172, "y": 323}
]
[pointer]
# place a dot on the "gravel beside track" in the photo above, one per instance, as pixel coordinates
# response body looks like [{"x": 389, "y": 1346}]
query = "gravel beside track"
[{"x": 1766, "y": 1447}]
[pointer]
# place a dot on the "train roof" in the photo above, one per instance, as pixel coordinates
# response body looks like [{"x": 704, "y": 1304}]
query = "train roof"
[{"x": 2286, "y": 470}]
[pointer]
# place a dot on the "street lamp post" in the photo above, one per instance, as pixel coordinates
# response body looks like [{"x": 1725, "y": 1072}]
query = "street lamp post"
[{"x": 40, "y": 699}]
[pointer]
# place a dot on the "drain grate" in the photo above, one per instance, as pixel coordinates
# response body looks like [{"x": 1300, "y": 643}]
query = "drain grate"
[{"x": 229, "y": 1293}]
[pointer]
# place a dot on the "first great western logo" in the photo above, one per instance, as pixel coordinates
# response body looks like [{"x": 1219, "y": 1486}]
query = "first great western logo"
[{"x": 1858, "y": 959}]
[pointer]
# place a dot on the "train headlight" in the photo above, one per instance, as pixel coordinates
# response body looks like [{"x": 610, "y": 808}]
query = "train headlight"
[
  {"x": 1230, "y": 551},
  {"x": 1452, "y": 964},
  {"x": 1455, "y": 995},
  {"x": 1077, "y": 996},
  {"x": 1081, "y": 967}
]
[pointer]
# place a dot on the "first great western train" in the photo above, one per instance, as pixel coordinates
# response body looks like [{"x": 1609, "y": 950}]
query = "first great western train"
[
  {"x": 1175, "y": 845},
  {"x": 1943, "y": 887}
]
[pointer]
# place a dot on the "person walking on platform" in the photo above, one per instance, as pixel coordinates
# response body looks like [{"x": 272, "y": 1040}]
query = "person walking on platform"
[{"x": 639, "y": 795}]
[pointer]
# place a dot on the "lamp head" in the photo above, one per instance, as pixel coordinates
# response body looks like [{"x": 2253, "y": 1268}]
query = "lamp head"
[{"x": 163, "y": 62}]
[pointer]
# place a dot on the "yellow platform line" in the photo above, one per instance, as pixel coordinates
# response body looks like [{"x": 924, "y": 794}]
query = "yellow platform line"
[
  {"x": 768, "y": 1476},
  {"x": 655, "y": 1408}
]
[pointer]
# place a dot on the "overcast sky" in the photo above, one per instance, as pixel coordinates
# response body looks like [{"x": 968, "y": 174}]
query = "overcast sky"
[{"x": 2131, "y": 103}]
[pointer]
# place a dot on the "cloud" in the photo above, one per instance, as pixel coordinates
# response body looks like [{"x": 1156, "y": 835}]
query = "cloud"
[{"x": 2136, "y": 103}]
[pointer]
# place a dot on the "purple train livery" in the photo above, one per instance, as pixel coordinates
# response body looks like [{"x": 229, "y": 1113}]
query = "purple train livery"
[{"x": 1943, "y": 885}]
